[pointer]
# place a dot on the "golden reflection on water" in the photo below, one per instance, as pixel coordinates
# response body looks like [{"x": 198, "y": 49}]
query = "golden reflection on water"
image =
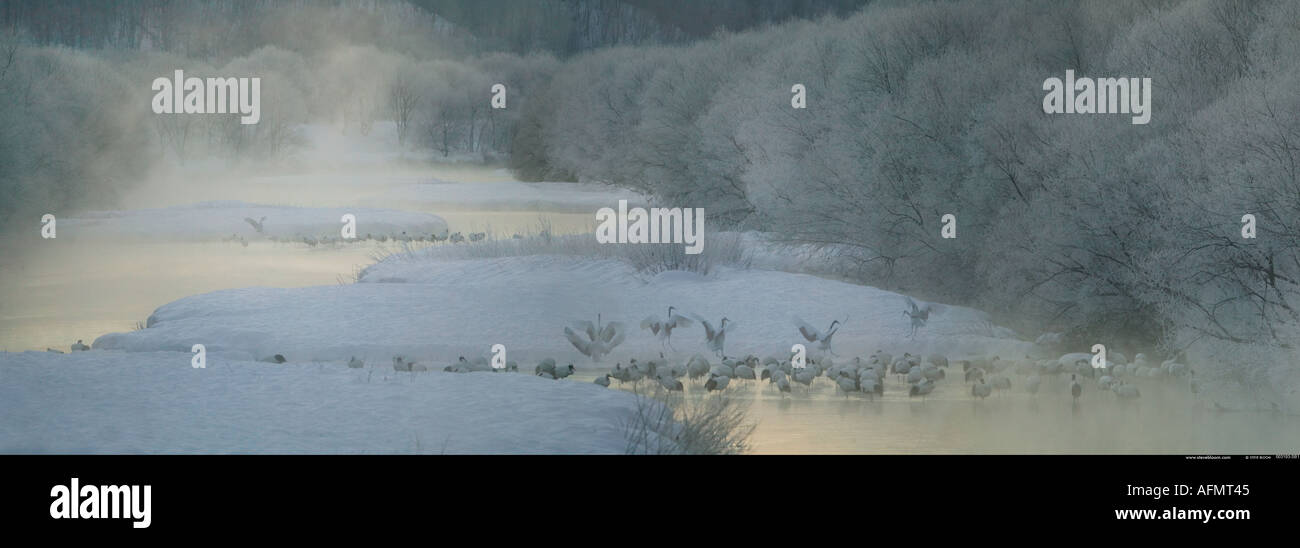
[
  {"x": 59, "y": 291},
  {"x": 1166, "y": 419}
]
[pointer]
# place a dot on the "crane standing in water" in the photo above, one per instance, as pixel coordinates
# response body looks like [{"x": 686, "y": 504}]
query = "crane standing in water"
[
  {"x": 811, "y": 334},
  {"x": 663, "y": 329},
  {"x": 918, "y": 314},
  {"x": 600, "y": 339},
  {"x": 717, "y": 339}
]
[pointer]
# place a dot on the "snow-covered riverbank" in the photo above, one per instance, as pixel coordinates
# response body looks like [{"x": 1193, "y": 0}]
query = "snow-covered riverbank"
[{"x": 436, "y": 311}]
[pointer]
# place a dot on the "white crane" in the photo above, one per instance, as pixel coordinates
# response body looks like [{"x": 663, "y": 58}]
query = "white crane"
[
  {"x": 1126, "y": 391},
  {"x": 79, "y": 346},
  {"x": 781, "y": 381},
  {"x": 257, "y": 225},
  {"x": 556, "y": 372},
  {"x": 722, "y": 369},
  {"x": 562, "y": 372},
  {"x": 846, "y": 385},
  {"x": 918, "y": 314},
  {"x": 717, "y": 338},
  {"x": 743, "y": 371},
  {"x": 1032, "y": 383},
  {"x": 1105, "y": 382},
  {"x": 922, "y": 389},
  {"x": 461, "y": 366},
  {"x": 812, "y": 335},
  {"x": 670, "y": 384},
  {"x": 805, "y": 377},
  {"x": 933, "y": 373},
  {"x": 544, "y": 368},
  {"x": 664, "y": 328},
  {"x": 915, "y": 375},
  {"x": 873, "y": 385},
  {"x": 599, "y": 339},
  {"x": 717, "y": 383},
  {"x": 697, "y": 367},
  {"x": 354, "y": 363},
  {"x": 631, "y": 374}
]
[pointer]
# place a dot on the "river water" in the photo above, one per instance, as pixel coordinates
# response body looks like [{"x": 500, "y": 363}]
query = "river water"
[{"x": 62, "y": 291}]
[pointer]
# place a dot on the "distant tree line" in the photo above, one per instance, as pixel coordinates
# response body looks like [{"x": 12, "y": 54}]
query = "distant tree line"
[
  {"x": 565, "y": 27},
  {"x": 76, "y": 128},
  {"x": 204, "y": 28}
]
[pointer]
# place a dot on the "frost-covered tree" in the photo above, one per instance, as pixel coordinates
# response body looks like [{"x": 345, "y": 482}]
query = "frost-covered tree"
[{"x": 1085, "y": 224}]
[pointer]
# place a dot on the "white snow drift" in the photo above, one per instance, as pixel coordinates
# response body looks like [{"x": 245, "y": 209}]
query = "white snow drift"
[{"x": 436, "y": 311}]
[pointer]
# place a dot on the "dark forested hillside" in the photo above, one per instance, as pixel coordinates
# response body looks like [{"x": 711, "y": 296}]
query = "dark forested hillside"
[
  {"x": 560, "y": 27},
  {"x": 226, "y": 28},
  {"x": 571, "y": 26}
]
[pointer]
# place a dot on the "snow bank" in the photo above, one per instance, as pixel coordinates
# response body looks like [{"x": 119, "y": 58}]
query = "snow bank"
[
  {"x": 220, "y": 219},
  {"x": 437, "y": 310},
  {"x": 514, "y": 196},
  {"x": 114, "y": 402}
]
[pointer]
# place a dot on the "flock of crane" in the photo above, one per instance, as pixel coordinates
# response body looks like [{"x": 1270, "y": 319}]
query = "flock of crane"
[
  {"x": 916, "y": 375},
  {"x": 313, "y": 241},
  {"x": 913, "y": 374},
  {"x": 76, "y": 347},
  {"x": 595, "y": 340}
]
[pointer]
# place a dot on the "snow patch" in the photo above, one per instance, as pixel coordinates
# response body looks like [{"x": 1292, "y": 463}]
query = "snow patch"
[{"x": 435, "y": 311}]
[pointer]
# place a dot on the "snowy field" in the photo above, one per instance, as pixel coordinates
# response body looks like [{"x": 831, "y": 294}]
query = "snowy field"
[
  {"x": 512, "y": 196},
  {"x": 155, "y": 402},
  {"x": 210, "y": 221},
  {"x": 435, "y": 311}
]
